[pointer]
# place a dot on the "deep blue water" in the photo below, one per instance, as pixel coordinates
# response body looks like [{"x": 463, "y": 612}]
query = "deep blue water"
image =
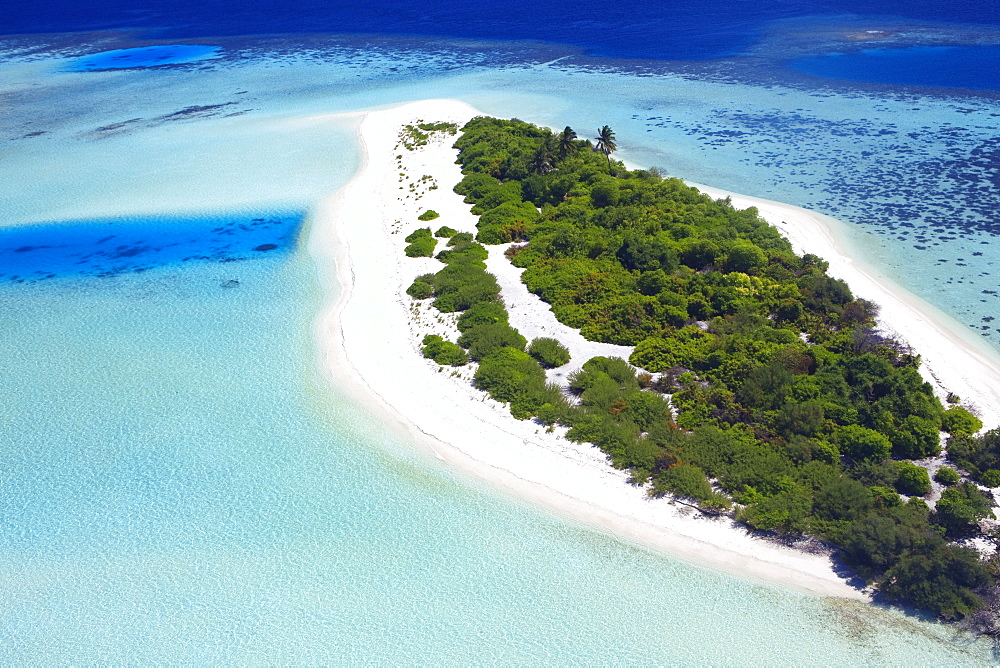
[
  {"x": 689, "y": 29},
  {"x": 144, "y": 56},
  {"x": 975, "y": 67}
]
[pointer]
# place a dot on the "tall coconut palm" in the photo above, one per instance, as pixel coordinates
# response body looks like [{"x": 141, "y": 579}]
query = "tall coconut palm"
[
  {"x": 606, "y": 143},
  {"x": 567, "y": 143},
  {"x": 544, "y": 156}
]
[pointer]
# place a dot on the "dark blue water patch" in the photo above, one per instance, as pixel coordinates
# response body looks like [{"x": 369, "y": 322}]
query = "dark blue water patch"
[
  {"x": 974, "y": 67},
  {"x": 143, "y": 56},
  {"x": 677, "y": 30},
  {"x": 109, "y": 247}
]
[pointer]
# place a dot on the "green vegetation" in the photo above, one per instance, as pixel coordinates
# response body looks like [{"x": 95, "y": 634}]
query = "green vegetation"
[
  {"x": 957, "y": 421},
  {"x": 430, "y": 214},
  {"x": 549, "y": 352},
  {"x": 487, "y": 338},
  {"x": 419, "y": 233},
  {"x": 979, "y": 456},
  {"x": 443, "y": 352},
  {"x": 414, "y": 136},
  {"x": 913, "y": 480},
  {"x": 960, "y": 507},
  {"x": 462, "y": 282},
  {"x": 420, "y": 289},
  {"x": 786, "y": 403},
  {"x": 445, "y": 232},
  {"x": 947, "y": 476},
  {"x": 422, "y": 243},
  {"x": 606, "y": 143},
  {"x": 422, "y": 247}
]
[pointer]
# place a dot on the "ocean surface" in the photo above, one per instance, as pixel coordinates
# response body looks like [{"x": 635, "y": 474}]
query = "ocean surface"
[{"x": 177, "y": 481}]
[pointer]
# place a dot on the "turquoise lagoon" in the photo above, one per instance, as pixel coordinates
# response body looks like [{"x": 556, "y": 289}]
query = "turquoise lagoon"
[{"x": 180, "y": 484}]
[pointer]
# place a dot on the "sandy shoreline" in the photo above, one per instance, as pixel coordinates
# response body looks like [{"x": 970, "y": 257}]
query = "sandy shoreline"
[
  {"x": 368, "y": 346},
  {"x": 369, "y": 338}
]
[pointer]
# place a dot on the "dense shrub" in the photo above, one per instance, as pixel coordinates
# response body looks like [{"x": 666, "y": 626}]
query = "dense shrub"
[
  {"x": 947, "y": 476},
  {"x": 913, "y": 480},
  {"x": 510, "y": 221},
  {"x": 990, "y": 477},
  {"x": 460, "y": 238},
  {"x": 487, "y": 338},
  {"x": 511, "y": 375},
  {"x": 860, "y": 443},
  {"x": 420, "y": 290},
  {"x": 443, "y": 352},
  {"x": 549, "y": 352},
  {"x": 422, "y": 247},
  {"x": 482, "y": 313},
  {"x": 645, "y": 409},
  {"x": 446, "y": 232},
  {"x": 430, "y": 214},
  {"x": 915, "y": 437},
  {"x": 464, "y": 282},
  {"x": 961, "y": 507},
  {"x": 418, "y": 233},
  {"x": 957, "y": 421},
  {"x": 976, "y": 454},
  {"x": 466, "y": 251},
  {"x": 684, "y": 480}
]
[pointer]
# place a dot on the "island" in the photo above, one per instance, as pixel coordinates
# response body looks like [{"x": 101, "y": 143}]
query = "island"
[{"x": 657, "y": 361}]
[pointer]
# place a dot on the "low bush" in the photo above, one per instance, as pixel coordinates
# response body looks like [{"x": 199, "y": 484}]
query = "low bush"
[
  {"x": 947, "y": 476},
  {"x": 509, "y": 374},
  {"x": 443, "y": 352},
  {"x": 445, "y": 232},
  {"x": 460, "y": 237},
  {"x": 913, "y": 480},
  {"x": 420, "y": 289},
  {"x": 421, "y": 247},
  {"x": 429, "y": 214},
  {"x": 549, "y": 352},
  {"x": 990, "y": 477},
  {"x": 860, "y": 443},
  {"x": 485, "y": 339},
  {"x": 460, "y": 285},
  {"x": 482, "y": 313},
  {"x": 417, "y": 234},
  {"x": 957, "y": 421},
  {"x": 468, "y": 251},
  {"x": 685, "y": 480}
]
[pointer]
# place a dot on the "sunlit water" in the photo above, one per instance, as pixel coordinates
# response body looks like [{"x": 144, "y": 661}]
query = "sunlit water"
[{"x": 181, "y": 485}]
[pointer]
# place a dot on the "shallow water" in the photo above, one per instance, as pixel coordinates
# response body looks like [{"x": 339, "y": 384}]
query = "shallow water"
[{"x": 179, "y": 484}]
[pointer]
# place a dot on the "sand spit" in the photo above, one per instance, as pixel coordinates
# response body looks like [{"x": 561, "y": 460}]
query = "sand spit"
[{"x": 369, "y": 337}]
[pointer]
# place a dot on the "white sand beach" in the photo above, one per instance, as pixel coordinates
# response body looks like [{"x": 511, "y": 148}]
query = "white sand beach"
[{"x": 369, "y": 343}]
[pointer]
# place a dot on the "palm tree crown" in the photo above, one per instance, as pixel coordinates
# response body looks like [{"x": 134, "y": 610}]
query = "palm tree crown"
[
  {"x": 567, "y": 142},
  {"x": 543, "y": 159},
  {"x": 606, "y": 143}
]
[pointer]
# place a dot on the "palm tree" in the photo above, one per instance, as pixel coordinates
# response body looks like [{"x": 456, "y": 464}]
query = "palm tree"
[
  {"x": 567, "y": 143},
  {"x": 544, "y": 156},
  {"x": 606, "y": 143}
]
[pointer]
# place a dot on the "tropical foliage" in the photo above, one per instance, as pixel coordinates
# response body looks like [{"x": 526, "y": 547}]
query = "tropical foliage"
[{"x": 785, "y": 402}]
